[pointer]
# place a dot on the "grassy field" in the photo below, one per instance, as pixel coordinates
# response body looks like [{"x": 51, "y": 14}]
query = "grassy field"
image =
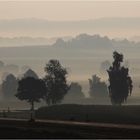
[
  {"x": 73, "y": 113},
  {"x": 25, "y": 129},
  {"x": 92, "y": 113}
]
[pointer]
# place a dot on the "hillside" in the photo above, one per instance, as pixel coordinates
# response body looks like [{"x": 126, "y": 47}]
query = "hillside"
[{"x": 82, "y": 41}]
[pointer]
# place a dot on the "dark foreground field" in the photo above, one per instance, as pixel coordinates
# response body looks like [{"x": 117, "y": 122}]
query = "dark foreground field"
[
  {"x": 56, "y": 129},
  {"x": 92, "y": 113},
  {"x": 73, "y": 121}
]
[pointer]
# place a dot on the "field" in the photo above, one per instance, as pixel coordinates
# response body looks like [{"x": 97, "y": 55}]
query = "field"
[
  {"x": 73, "y": 121},
  {"x": 93, "y": 113},
  {"x": 11, "y": 128},
  {"x": 126, "y": 114}
]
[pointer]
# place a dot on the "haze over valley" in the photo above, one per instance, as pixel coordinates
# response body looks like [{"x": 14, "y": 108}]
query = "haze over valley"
[
  {"x": 82, "y": 55},
  {"x": 82, "y": 39},
  {"x": 68, "y": 65}
]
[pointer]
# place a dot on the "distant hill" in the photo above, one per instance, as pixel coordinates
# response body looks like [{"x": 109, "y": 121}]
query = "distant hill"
[
  {"x": 76, "y": 44},
  {"x": 94, "y": 41},
  {"x": 84, "y": 41},
  {"x": 81, "y": 55},
  {"x": 117, "y": 26},
  {"x": 28, "y": 41}
]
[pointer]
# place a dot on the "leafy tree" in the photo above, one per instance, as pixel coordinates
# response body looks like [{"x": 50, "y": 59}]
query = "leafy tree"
[
  {"x": 31, "y": 90},
  {"x": 75, "y": 91},
  {"x": 9, "y": 86},
  {"x": 120, "y": 82},
  {"x": 97, "y": 87},
  {"x": 56, "y": 82},
  {"x": 30, "y": 73}
]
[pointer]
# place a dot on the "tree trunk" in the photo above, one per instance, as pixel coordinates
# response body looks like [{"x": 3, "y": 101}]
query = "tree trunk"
[
  {"x": 32, "y": 117},
  {"x": 32, "y": 106}
]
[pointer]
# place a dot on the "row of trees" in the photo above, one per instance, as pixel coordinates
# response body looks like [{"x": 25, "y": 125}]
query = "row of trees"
[
  {"x": 52, "y": 88},
  {"x": 97, "y": 88},
  {"x": 9, "y": 84}
]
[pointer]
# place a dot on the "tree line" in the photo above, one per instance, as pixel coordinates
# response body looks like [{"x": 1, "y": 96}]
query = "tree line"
[{"x": 53, "y": 87}]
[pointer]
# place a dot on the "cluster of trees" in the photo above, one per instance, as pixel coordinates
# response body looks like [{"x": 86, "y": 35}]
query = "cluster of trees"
[
  {"x": 13, "y": 69},
  {"x": 74, "y": 93},
  {"x": 53, "y": 87},
  {"x": 97, "y": 88},
  {"x": 9, "y": 85}
]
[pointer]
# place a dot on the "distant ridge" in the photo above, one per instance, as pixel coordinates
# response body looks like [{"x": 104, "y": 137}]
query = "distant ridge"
[
  {"x": 115, "y": 26},
  {"x": 80, "y": 41},
  {"x": 94, "y": 41}
]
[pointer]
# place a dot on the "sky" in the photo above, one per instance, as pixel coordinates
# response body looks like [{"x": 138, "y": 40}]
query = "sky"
[{"x": 68, "y": 10}]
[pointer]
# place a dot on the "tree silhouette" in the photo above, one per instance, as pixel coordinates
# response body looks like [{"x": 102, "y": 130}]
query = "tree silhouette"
[
  {"x": 9, "y": 86},
  {"x": 97, "y": 87},
  {"x": 75, "y": 91},
  {"x": 30, "y": 73},
  {"x": 56, "y": 82},
  {"x": 31, "y": 90},
  {"x": 120, "y": 82}
]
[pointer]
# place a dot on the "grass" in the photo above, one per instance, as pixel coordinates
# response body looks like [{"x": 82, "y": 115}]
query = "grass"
[
  {"x": 89, "y": 113},
  {"x": 94, "y": 113}
]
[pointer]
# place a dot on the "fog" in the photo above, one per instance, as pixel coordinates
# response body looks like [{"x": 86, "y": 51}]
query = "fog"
[
  {"x": 37, "y": 31},
  {"x": 81, "y": 61}
]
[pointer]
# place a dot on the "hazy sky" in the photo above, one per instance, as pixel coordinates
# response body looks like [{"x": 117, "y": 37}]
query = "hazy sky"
[{"x": 68, "y": 10}]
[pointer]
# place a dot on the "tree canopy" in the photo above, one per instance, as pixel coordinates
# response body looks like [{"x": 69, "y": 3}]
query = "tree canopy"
[
  {"x": 75, "y": 91},
  {"x": 30, "y": 73},
  {"x": 56, "y": 82},
  {"x": 31, "y": 90},
  {"x": 120, "y": 81},
  {"x": 98, "y": 88},
  {"x": 9, "y": 86}
]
